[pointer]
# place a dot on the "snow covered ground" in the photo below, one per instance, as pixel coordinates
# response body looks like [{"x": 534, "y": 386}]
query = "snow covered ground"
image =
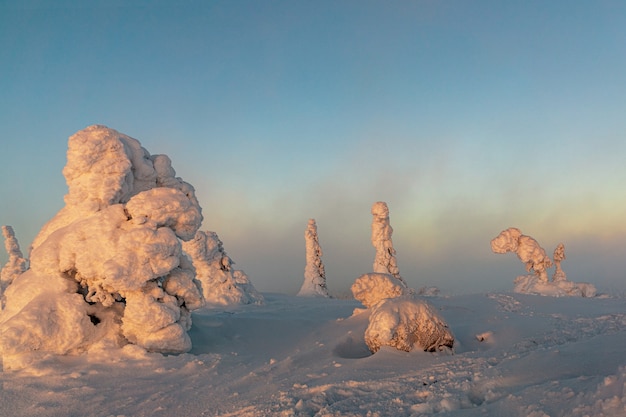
[{"x": 515, "y": 355}]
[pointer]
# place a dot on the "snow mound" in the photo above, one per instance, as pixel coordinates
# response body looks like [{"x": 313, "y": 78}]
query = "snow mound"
[
  {"x": 372, "y": 288},
  {"x": 531, "y": 284},
  {"x": 407, "y": 323},
  {"x": 221, "y": 284},
  {"x": 109, "y": 267}
]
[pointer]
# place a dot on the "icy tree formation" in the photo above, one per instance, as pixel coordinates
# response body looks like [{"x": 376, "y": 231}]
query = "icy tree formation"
[
  {"x": 385, "y": 261},
  {"x": 407, "y": 323},
  {"x": 370, "y": 289},
  {"x": 314, "y": 284},
  {"x": 16, "y": 264},
  {"x": 526, "y": 248},
  {"x": 535, "y": 258},
  {"x": 221, "y": 284},
  {"x": 398, "y": 318},
  {"x": 108, "y": 268},
  {"x": 559, "y": 256}
]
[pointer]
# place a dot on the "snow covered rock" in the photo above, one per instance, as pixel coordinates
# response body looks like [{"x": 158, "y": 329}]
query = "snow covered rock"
[
  {"x": 527, "y": 249},
  {"x": 109, "y": 266},
  {"x": 407, "y": 323},
  {"x": 314, "y": 284},
  {"x": 221, "y": 284},
  {"x": 372, "y": 288},
  {"x": 385, "y": 260}
]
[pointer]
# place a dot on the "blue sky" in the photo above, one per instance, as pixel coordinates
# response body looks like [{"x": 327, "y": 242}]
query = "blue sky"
[{"x": 465, "y": 117}]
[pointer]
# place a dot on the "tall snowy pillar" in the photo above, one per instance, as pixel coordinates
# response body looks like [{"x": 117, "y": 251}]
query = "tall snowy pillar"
[
  {"x": 314, "y": 284},
  {"x": 385, "y": 261}
]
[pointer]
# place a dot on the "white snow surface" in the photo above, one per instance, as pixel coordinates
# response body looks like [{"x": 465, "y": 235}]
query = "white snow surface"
[{"x": 515, "y": 355}]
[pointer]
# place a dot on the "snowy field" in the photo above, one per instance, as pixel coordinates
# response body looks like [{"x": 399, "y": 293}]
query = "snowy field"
[{"x": 295, "y": 356}]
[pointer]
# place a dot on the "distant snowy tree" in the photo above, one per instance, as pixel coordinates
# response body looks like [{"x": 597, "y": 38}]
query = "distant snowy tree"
[
  {"x": 314, "y": 284},
  {"x": 108, "y": 268},
  {"x": 385, "y": 260},
  {"x": 535, "y": 259},
  {"x": 526, "y": 248},
  {"x": 559, "y": 256},
  {"x": 16, "y": 264},
  {"x": 221, "y": 284}
]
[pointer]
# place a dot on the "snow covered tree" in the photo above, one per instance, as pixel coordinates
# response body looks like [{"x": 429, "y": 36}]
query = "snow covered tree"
[
  {"x": 221, "y": 284},
  {"x": 385, "y": 260},
  {"x": 559, "y": 256},
  {"x": 314, "y": 284},
  {"x": 16, "y": 264},
  {"x": 108, "y": 268},
  {"x": 407, "y": 323}
]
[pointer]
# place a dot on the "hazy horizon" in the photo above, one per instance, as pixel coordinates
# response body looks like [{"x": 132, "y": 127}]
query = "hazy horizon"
[{"x": 466, "y": 119}]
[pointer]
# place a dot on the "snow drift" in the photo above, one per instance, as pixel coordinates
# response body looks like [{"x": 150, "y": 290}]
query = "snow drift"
[{"x": 108, "y": 268}]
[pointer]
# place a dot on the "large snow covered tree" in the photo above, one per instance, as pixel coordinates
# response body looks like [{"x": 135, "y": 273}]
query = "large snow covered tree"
[
  {"x": 314, "y": 284},
  {"x": 108, "y": 268},
  {"x": 385, "y": 260},
  {"x": 221, "y": 284}
]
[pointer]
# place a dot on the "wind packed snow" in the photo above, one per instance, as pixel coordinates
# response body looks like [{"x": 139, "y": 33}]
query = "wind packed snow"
[
  {"x": 123, "y": 274},
  {"x": 314, "y": 284}
]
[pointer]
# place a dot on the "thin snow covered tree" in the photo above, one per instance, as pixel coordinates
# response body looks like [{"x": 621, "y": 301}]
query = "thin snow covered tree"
[
  {"x": 385, "y": 261},
  {"x": 16, "y": 264},
  {"x": 559, "y": 255},
  {"x": 314, "y": 284}
]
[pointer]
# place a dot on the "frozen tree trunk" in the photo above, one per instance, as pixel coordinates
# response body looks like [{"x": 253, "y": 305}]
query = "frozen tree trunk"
[
  {"x": 314, "y": 284},
  {"x": 385, "y": 261},
  {"x": 16, "y": 264}
]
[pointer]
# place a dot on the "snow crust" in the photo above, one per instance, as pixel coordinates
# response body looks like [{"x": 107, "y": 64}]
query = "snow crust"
[
  {"x": 534, "y": 257},
  {"x": 108, "y": 269},
  {"x": 222, "y": 285},
  {"x": 314, "y": 284}
]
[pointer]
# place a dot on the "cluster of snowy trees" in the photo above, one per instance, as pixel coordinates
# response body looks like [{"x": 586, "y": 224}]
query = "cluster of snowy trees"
[{"x": 397, "y": 316}]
